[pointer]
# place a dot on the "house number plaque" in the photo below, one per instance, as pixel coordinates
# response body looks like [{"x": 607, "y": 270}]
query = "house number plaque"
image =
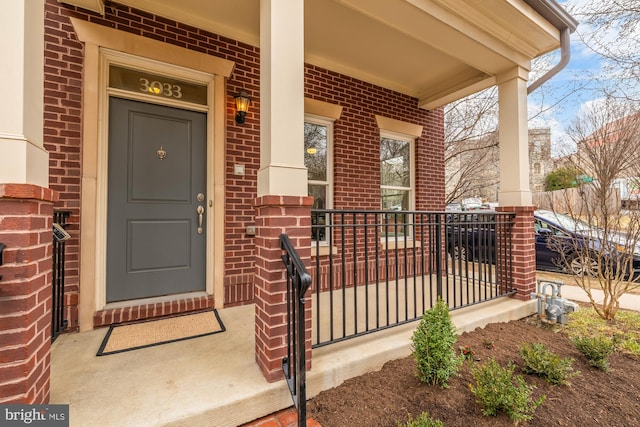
[{"x": 156, "y": 85}]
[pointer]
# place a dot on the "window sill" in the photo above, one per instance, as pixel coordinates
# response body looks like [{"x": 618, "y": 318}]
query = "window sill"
[
  {"x": 323, "y": 250},
  {"x": 400, "y": 244}
]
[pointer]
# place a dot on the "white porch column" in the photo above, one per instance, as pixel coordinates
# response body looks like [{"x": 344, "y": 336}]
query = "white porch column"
[
  {"x": 514, "y": 138},
  {"x": 23, "y": 159},
  {"x": 26, "y": 209},
  {"x": 515, "y": 195},
  {"x": 282, "y": 205},
  {"x": 282, "y": 170}
]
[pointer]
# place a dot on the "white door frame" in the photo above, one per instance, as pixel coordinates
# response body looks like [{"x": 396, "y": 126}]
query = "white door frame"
[{"x": 104, "y": 46}]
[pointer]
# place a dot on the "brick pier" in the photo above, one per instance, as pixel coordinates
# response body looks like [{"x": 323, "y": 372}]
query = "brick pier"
[{"x": 26, "y": 220}]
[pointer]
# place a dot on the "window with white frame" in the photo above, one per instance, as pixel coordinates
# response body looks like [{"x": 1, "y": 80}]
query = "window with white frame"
[
  {"x": 396, "y": 182},
  {"x": 396, "y": 172},
  {"x": 318, "y": 145}
]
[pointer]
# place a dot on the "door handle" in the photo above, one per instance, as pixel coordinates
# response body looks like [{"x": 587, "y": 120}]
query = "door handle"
[{"x": 200, "y": 211}]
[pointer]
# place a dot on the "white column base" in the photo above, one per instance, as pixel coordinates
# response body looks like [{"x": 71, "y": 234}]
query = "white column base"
[
  {"x": 22, "y": 162},
  {"x": 515, "y": 198},
  {"x": 282, "y": 180}
]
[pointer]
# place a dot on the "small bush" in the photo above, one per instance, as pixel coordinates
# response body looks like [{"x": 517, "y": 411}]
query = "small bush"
[
  {"x": 498, "y": 390},
  {"x": 626, "y": 329},
  {"x": 432, "y": 346},
  {"x": 423, "y": 420},
  {"x": 630, "y": 345},
  {"x": 539, "y": 360},
  {"x": 596, "y": 350}
]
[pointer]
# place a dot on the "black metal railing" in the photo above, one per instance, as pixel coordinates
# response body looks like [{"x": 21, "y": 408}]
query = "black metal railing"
[
  {"x": 374, "y": 270},
  {"x": 294, "y": 364},
  {"x": 58, "y": 323}
]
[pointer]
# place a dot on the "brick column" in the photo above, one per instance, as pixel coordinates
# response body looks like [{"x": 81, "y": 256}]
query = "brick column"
[
  {"x": 276, "y": 215},
  {"x": 523, "y": 251},
  {"x": 26, "y": 220}
]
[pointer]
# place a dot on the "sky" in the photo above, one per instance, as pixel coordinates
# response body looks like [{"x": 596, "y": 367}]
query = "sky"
[
  {"x": 556, "y": 104},
  {"x": 561, "y": 89}
]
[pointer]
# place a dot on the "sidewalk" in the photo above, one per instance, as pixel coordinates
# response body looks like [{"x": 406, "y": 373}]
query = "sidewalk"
[{"x": 575, "y": 293}]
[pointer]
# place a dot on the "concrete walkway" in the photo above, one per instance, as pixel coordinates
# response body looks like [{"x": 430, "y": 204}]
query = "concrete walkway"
[
  {"x": 214, "y": 380},
  {"x": 575, "y": 293}
]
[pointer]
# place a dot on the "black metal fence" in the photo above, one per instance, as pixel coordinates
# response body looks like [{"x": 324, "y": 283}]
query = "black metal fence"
[
  {"x": 373, "y": 270},
  {"x": 294, "y": 364},
  {"x": 58, "y": 323}
]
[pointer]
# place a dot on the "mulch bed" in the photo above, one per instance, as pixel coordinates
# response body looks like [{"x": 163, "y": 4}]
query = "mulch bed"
[{"x": 384, "y": 397}]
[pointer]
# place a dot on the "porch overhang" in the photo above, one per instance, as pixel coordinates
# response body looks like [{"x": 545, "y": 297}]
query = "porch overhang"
[{"x": 434, "y": 50}]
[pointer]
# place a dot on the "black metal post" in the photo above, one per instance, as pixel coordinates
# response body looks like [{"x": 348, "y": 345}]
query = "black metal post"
[
  {"x": 439, "y": 252},
  {"x": 298, "y": 282},
  {"x": 58, "y": 323}
]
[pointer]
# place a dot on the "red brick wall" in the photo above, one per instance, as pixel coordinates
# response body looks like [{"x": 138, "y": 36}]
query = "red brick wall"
[
  {"x": 357, "y": 140},
  {"x": 276, "y": 215},
  {"x": 356, "y": 155},
  {"x": 26, "y": 218},
  {"x": 62, "y": 136},
  {"x": 523, "y": 251}
]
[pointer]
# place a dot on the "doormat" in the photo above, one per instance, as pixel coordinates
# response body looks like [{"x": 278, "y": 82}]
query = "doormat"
[{"x": 133, "y": 336}]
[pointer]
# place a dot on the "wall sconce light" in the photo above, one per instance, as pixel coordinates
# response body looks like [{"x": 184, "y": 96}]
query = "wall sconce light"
[{"x": 242, "y": 105}]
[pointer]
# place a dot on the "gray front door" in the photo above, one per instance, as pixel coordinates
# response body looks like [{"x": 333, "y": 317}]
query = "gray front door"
[{"x": 157, "y": 169}]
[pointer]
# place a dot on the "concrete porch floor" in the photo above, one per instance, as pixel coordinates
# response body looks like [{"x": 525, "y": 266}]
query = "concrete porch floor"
[{"x": 214, "y": 380}]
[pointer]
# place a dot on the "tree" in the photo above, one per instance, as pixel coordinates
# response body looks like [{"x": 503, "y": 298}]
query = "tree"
[
  {"x": 607, "y": 136},
  {"x": 563, "y": 177},
  {"x": 471, "y": 137},
  {"x": 611, "y": 30},
  {"x": 470, "y": 144}
]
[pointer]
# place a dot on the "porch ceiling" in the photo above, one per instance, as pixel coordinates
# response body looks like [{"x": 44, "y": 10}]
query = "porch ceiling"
[{"x": 434, "y": 50}]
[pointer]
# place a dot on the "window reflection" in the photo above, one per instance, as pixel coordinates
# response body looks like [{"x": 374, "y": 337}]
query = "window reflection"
[
  {"x": 395, "y": 185},
  {"x": 316, "y": 143}
]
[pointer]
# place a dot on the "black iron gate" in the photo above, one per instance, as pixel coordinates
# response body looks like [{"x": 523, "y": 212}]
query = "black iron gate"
[{"x": 58, "y": 323}]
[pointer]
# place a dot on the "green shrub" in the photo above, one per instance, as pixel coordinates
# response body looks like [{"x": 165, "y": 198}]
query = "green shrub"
[
  {"x": 432, "y": 346},
  {"x": 423, "y": 420},
  {"x": 539, "y": 360},
  {"x": 498, "y": 390},
  {"x": 630, "y": 345},
  {"x": 625, "y": 330},
  {"x": 596, "y": 350}
]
